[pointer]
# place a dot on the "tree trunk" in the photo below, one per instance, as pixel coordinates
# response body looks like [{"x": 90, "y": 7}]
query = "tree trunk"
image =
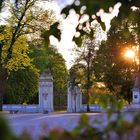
[
  {"x": 3, "y": 78},
  {"x": 1, "y": 100},
  {"x": 88, "y": 81},
  {"x": 88, "y": 109}
]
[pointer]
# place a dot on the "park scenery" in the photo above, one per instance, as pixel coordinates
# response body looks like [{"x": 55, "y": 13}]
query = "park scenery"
[{"x": 69, "y": 70}]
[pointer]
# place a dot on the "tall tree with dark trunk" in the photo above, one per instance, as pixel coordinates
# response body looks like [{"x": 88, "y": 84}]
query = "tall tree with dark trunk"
[
  {"x": 85, "y": 57},
  {"x": 2, "y": 78}
]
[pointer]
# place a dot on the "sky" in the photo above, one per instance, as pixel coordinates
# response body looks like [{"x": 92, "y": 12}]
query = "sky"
[{"x": 66, "y": 45}]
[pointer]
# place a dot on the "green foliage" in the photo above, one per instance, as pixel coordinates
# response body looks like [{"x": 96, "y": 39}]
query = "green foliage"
[
  {"x": 45, "y": 57},
  {"x": 82, "y": 68},
  {"x": 39, "y": 55},
  {"x": 22, "y": 86},
  {"x": 53, "y": 31},
  {"x": 20, "y": 58},
  {"x": 76, "y": 74},
  {"x": 48, "y": 57},
  {"x": 5, "y": 132},
  {"x": 25, "y": 18},
  {"x": 97, "y": 90},
  {"x": 110, "y": 65},
  {"x": 58, "y": 68},
  {"x": 111, "y": 104},
  {"x": 23, "y": 76}
]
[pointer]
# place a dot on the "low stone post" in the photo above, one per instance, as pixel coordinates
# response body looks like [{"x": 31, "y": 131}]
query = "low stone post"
[{"x": 136, "y": 90}]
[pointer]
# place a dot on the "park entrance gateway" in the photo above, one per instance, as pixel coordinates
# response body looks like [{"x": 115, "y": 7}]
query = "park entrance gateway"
[
  {"x": 46, "y": 104},
  {"x": 74, "y": 96}
]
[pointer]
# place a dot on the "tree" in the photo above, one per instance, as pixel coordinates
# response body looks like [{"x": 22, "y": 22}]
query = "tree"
[
  {"x": 20, "y": 65},
  {"x": 85, "y": 57},
  {"x": 45, "y": 57},
  {"x": 110, "y": 65},
  {"x": 57, "y": 65},
  {"x": 22, "y": 86},
  {"x": 23, "y": 21},
  {"x": 20, "y": 58},
  {"x": 26, "y": 19},
  {"x": 77, "y": 76},
  {"x": 2, "y": 77}
]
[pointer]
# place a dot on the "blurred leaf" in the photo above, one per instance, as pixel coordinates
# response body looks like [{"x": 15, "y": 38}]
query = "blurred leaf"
[
  {"x": 78, "y": 40},
  {"x": 120, "y": 104},
  {"x": 55, "y": 31},
  {"x": 103, "y": 101},
  {"x": 5, "y": 132},
  {"x": 84, "y": 120},
  {"x": 112, "y": 125},
  {"x": 137, "y": 119}
]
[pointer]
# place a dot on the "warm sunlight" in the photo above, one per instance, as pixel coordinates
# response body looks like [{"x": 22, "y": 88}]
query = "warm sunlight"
[{"x": 130, "y": 54}]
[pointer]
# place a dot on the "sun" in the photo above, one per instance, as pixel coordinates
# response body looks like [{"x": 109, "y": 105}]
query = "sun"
[{"x": 130, "y": 54}]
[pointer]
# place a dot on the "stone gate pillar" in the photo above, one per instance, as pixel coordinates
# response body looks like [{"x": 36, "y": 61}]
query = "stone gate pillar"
[
  {"x": 69, "y": 98},
  {"x": 74, "y": 102},
  {"x": 46, "y": 92}
]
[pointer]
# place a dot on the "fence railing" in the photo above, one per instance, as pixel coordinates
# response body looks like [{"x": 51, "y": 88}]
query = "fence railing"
[
  {"x": 35, "y": 108},
  {"x": 21, "y": 108}
]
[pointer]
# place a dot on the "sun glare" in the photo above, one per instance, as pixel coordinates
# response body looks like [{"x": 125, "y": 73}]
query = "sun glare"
[{"x": 130, "y": 54}]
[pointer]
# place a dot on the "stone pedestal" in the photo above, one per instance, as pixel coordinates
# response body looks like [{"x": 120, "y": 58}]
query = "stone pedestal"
[
  {"x": 136, "y": 90},
  {"x": 136, "y": 96},
  {"x": 46, "y": 92},
  {"x": 74, "y": 102}
]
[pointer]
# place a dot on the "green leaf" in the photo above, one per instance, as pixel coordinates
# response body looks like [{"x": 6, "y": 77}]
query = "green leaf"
[
  {"x": 55, "y": 31},
  {"x": 84, "y": 120},
  {"x": 78, "y": 40}
]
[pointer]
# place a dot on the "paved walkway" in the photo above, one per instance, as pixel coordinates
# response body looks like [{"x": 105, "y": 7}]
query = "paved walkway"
[{"x": 41, "y": 124}]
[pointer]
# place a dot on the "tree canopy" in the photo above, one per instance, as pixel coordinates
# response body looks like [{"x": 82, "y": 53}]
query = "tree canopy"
[{"x": 110, "y": 64}]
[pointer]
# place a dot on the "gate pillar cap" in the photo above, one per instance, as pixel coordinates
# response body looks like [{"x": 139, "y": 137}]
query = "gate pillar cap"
[{"x": 46, "y": 76}]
